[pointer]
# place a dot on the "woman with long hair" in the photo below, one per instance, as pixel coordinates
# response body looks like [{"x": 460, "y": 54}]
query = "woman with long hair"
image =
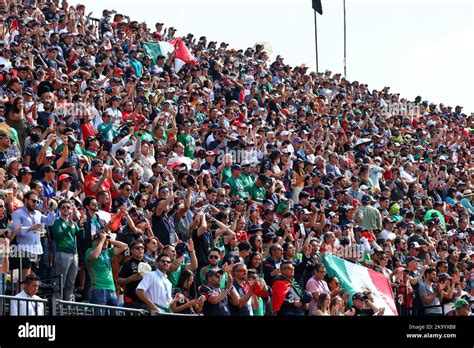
[
  {"x": 322, "y": 308},
  {"x": 183, "y": 294},
  {"x": 152, "y": 246},
  {"x": 255, "y": 262}
]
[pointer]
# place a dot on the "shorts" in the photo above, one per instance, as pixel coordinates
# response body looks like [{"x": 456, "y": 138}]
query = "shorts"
[{"x": 28, "y": 261}]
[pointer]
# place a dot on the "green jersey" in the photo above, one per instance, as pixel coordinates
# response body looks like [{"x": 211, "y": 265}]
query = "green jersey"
[
  {"x": 100, "y": 269},
  {"x": 246, "y": 179},
  {"x": 173, "y": 277},
  {"x": 236, "y": 187},
  {"x": 189, "y": 144},
  {"x": 226, "y": 174},
  {"x": 258, "y": 194},
  {"x": 65, "y": 235}
]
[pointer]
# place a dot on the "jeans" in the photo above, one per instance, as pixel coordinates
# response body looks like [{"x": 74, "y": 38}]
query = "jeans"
[
  {"x": 103, "y": 297},
  {"x": 67, "y": 265}
]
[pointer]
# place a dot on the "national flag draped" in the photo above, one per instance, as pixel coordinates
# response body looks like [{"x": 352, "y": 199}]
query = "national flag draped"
[
  {"x": 317, "y": 6},
  {"x": 155, "y": 49},
  {"x": 182, "y": 55},
  {"x": 356, "y": 278}
]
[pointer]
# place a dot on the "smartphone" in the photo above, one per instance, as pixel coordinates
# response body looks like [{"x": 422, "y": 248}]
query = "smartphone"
[{"x": 302, "y": 230}]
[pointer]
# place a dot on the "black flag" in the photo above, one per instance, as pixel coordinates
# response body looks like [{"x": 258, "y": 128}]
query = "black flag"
[{"x": 317, "y": 6}]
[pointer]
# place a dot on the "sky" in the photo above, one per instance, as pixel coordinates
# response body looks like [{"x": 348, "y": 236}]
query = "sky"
[{"x": 417, "y": 47}]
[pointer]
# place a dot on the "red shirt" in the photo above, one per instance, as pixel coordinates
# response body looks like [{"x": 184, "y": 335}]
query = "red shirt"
[
  {"x": 91, "y": 180},
  {"x": 88, "y": 130}
]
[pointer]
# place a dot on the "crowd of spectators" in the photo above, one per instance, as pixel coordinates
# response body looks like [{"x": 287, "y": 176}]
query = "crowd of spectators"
[{"x": 217, "y": 188}]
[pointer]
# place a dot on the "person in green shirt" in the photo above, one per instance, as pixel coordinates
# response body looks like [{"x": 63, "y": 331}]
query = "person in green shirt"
[
  {"x": 225, "y": 168},
  {"x": 65, "y": 231},
  {"x": 187, "y": 140},
  {"x": 213, "y": 258},
  {"x": 99, "y": 265},
  {"x": 257, "y": 190},
  {"x": 236, "y": 185},
  {"x": 395, "y": 212},
  {"x": 246, "y": 176},
  {"x": 437, "y": 211},
  {"x": 177, "y": 262}
]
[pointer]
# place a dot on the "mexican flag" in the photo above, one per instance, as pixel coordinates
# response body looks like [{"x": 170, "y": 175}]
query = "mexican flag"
[
  {"x": 356, "y": 278},
  {"x": 182, "y": 55},
  {"x": 155, "y": 49}
]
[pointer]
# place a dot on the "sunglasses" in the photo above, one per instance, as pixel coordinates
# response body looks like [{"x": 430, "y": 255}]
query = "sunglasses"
[
  {"x": 35, "y": 201},
  {"x": 65, "y": 208},
  {"x": 164, "y": 261},
  {"x": 213, "y": 257},
  {"x": 2, "y": 206}
]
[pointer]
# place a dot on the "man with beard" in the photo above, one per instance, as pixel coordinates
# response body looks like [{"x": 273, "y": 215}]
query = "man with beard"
[
  {"x": 64, "y": 232},
  {"x": 47, "y": 116},
  {"x": 31, "y": 224}
]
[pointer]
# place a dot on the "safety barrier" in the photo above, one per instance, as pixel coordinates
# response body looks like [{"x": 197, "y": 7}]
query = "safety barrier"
[
  {"x": 67, "y": 308},
  {"x": 12, "y": 305}
]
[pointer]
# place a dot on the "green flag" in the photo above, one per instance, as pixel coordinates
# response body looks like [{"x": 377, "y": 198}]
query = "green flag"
[{"x": 156, "y": 49}]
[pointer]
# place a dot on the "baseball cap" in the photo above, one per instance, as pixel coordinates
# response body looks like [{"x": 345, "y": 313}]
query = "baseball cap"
[
  {"x": 96, "y": 162},
  {"x": 47, "y": 169},
  {"x": 461, "y": 303},
  {"x": 366, "y": 199},
  {"x": 359, "y": 296},
  {"x": 443, "y": 276},
  {"x": 25, "y": 170},
  {"x": 236, "y": 167},
  {"x": 414, "y": 245},
  {"x": 64, "y": 177},
  {"x": 237, "y": 202},
  {"x": 411, "y": 258},
  {"x": 297, "y": 140},
  {"x": 212, "y": 272}
]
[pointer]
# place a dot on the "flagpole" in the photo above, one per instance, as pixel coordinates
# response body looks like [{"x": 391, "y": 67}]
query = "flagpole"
[
  {"x": 345, "y": 50},
  {"x": 316, "y": 39}
]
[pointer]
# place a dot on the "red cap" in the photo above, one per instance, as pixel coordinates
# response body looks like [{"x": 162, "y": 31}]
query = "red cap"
[
  {"x": 118, "y": 71},
  {"x": 64, "y": 176}
]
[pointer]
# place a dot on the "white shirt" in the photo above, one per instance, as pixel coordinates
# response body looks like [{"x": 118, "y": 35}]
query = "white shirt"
[
  {"x": 388, "y": 235},
  {"x": 157, "y": 288},
  {"x": 34, "y": 308},
  {"x": 407, "y": 177}
]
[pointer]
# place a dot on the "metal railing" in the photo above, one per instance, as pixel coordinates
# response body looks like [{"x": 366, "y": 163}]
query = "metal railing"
[
  {"x": 23, "y": 306},
  {"x": 67, "y": 308}
]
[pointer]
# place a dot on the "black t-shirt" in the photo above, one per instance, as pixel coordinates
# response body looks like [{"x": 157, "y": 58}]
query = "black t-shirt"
[
  {"x": 202, "y": 245},
  {"x": 128, "y": 269},
  {"x": 366, "y": 312}
]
